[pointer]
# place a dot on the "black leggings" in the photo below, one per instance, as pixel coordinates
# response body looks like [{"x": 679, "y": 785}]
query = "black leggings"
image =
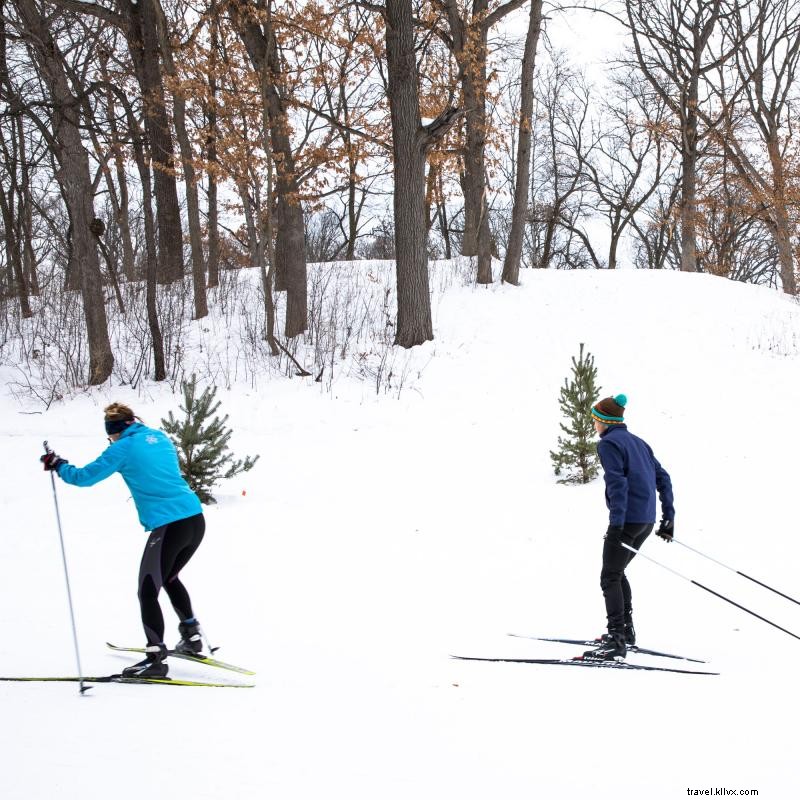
[
  {"x": 615, "y": 586},
  {"x": 166, "y": 553}
]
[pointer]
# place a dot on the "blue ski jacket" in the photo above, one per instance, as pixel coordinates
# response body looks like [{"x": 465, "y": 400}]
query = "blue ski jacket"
[
  {"x": 633, "y": 476},
  {"x": 148, "y": 463}
]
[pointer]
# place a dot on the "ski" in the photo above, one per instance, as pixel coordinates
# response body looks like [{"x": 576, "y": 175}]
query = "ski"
[
  {"x": 579, "y": 661},
  {"x": 595, "y": 643},
  {"x": 209, "y": 662},
  {"x": 121, "y": 679}
]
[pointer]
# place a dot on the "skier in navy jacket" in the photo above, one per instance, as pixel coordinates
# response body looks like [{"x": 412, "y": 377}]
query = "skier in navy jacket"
[
  {"x": 167, "y": 507},
  {"x": 632, "y": 476}
]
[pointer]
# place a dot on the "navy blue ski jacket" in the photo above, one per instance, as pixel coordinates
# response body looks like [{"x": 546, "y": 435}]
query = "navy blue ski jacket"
[{"x": 633, "y": 476}]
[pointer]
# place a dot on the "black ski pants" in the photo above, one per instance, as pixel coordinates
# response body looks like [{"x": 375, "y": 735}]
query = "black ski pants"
[
  {"x": 166, "y": 553},
  {"x": 613, "y": 582}
]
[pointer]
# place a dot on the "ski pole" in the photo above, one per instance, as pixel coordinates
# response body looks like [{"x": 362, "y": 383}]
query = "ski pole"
[
  {"x": 711, "y": 591},
  {"x": 211, "y": 650},
  {"x": 66, "y": 577},
  {"x": 754, "y": 580}
]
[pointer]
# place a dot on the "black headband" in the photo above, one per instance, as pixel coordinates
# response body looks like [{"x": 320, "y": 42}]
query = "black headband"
[{"x": 116, "y": 425}]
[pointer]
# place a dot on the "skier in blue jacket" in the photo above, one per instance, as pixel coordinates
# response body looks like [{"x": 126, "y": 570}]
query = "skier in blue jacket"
[
  {"x": 167, "y": 507},
  {"x": 632, "y": 476}
]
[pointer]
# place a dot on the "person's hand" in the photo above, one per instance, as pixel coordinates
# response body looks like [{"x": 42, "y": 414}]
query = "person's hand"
[
  {"x": 51, "y": 461},
  {"x": 666, "y": 530}
]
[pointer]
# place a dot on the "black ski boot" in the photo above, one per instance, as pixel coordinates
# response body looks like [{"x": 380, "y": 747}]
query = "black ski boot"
[
  {"x": 153, "y": 666},
  {"x": 630, "y": 634},
  {"x": 611, "y": 648},
  {"x": 191, "y": 642}
]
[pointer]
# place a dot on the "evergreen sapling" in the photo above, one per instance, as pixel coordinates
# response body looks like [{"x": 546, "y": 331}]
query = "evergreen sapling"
[
  {"x": 202, "y": 448},
  {"x": 576, "y": 456}
]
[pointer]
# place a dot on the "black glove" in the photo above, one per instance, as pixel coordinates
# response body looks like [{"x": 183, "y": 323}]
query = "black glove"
[
  {"x": 666, "y": 530},
  {"x": 51, "y": 461}
]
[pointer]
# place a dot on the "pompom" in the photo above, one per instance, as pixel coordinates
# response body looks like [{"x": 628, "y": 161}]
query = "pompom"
[{"x": 621, "y": 400}]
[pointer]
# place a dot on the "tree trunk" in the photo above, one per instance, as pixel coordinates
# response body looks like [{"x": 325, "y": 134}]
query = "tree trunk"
[
  {"x": 213, "y": 225},
  {"x": 151, "y": 266},
  {"x": 187, "y": 162},
  {"x": 441, "y": 213},
  {"x": 192, "y": 208},
  {"x": 26, "y": 216},
  {"x": 477, "y": 234},
  {"x": 689, "y": 186},
  {"x": 414, "y": 321},
  {"x": 782, "y": 228},
  {"x": 513, "y": 257},
  {"x": 211, "y": 155},
  {"x": 612, "y": 251},
  {"x": 123, "y": 207},
  {"x": 290, "y": 264},
  {"x": 14, "y": 250},
  {"x": 74, "y": 178},
  {"x": 290, "y": 240},
  {"x": 352, "y": 209},
  {"x": 151, "y": 257},
  {"x": 142, "y": 35}
]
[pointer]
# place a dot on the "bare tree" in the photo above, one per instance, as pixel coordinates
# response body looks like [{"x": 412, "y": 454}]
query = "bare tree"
[
  {"x": 167, "y": 35},
  {"x": 12, "y": 149},
  {"x": 559, "y": 180},
  {"x": 212, "y": 133},
  {"x": 673, "y": 44},
  {"x": 74, "y": 178},
  {"x": 410, "y": 140},
  {"x": 631, "y": 155},
  {"x": 523, "y": 159},
  {"x": 254, "y": 24},
  {"x": 351, "y": 99},
  {"x": 657, "y": 239},
  {"x": 120, "y": 193},
  {"x": 151, "y": 254},
  {"x": 138, "y": 22},
  {"x": 467, "y": 37},
  {"x": 765, "y": 37}
]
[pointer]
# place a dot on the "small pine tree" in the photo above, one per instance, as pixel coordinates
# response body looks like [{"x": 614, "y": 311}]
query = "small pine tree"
[
  {"x": 576, "y": 455},
  {"x": 201, "y": 450}
]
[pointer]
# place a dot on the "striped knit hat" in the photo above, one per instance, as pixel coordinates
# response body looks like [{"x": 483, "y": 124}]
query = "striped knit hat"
[{"x": 610, "y": 410}]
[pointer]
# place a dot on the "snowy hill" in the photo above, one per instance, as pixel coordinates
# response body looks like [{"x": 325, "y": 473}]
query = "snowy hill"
[{"x": 379, "y": 534}]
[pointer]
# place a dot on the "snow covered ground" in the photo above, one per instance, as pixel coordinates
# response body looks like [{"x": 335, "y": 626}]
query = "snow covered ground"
[{"x": 378, "y": 535}]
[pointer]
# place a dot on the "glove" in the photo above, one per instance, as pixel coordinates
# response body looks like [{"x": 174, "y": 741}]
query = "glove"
[
  {"x": 52, "y": 462},
  {"x": 666, "y": 530}
]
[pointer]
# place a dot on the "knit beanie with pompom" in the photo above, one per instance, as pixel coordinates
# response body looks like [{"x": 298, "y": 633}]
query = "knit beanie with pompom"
[{"x": 610, "y": 410}]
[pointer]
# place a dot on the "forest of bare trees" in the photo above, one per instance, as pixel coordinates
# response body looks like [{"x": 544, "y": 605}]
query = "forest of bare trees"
[{"x": 150, "y": 148}]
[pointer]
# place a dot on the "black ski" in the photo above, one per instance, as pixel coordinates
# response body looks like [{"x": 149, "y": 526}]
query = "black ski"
[
  {"x": 595, "y": 643},
  {"x": 579, "y": 661},
  {"x": 209, "y": 662},
  {"x": 121, "y": 679}
]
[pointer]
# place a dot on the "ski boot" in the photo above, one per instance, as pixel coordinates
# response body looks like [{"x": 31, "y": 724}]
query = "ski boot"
[
  {"x": 191, "y": 642},
  {"x": 611, "y": 648},
  {"x": 630, "y": 634},
  {"x": 153, "y": 666}
]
